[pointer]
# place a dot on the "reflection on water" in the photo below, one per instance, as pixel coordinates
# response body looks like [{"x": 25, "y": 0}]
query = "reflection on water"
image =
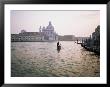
[{"x": 42, "y": 59}]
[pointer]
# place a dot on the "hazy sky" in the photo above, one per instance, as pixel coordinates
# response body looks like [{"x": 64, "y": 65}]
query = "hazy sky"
[{"x": 78, "y": 23}]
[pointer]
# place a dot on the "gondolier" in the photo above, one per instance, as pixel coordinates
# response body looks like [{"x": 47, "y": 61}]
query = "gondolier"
[
  {"x": 57, "y": 43},
  {"x": 58, "y": 46}
]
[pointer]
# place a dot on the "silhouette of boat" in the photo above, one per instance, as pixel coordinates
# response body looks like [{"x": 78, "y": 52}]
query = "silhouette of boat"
[{"x": 58, "y": 47}]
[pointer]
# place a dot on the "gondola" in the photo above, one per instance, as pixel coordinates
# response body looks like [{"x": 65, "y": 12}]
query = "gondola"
[{"x": 58, "y": 47}]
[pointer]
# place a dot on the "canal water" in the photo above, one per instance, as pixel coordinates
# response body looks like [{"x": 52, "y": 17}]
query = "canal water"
[{"x": 41, "y": 59}]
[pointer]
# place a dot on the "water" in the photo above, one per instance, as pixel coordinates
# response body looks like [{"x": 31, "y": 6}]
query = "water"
[{"x": 41, "y": 59}]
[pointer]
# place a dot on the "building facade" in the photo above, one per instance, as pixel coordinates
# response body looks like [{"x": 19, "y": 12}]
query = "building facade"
[
  {"x": 48, "y": 32},
  {"x": 44, "y": 34},
  {"x": 67, "y": 38},
  {"x": 93, "y": 43},
  {"x": 27, "y": 36}
]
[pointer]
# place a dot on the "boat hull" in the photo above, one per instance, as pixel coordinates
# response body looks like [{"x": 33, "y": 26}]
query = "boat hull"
[{"x": 58, "y": 47}]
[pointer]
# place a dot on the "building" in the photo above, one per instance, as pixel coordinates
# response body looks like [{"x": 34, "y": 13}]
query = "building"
[
  {"x": 66, "y": 38},
  {"x": 93, "y": 43},
  {"x": 27, "y": 36},
  {"x": 71, "y": 38},
  {"x": 48, "y": 32},
  {"x": 44, "y": 34},
  {"x": 96, "y": 37}
]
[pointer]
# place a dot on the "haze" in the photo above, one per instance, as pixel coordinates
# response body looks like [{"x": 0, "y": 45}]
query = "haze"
[{"x": 78, "y": 23}]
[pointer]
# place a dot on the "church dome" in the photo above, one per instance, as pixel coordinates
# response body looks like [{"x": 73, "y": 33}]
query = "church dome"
[{"x": 50, "y": 26}]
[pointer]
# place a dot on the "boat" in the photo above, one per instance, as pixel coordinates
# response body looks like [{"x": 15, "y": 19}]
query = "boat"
[{"x": 59, "y": 47}]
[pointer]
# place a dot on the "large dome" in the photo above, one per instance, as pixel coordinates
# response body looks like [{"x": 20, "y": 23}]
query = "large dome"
[{"x": 50, "y": 26}]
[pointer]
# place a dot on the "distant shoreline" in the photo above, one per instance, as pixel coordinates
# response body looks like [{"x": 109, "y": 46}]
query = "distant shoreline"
[{"x": 41, "y": 41}]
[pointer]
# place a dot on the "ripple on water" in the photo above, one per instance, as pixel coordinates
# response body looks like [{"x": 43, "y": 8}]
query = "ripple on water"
[{"x": 41, "y": 59}]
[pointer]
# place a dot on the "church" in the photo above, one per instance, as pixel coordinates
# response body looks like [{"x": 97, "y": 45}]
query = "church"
[
  {"x": 48, "y": 32},
  {"x": 44, "y": 34}
]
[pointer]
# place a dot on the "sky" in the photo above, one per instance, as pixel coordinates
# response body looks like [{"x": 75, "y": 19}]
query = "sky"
[{"x": 78, "y": 23}]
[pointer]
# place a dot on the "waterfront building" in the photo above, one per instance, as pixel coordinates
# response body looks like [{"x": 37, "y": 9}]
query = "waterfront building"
[
  {"x": 71, "y": 38},
  {"x": 96, "y": 36},
  {"x": 27, "y": 36},
  {"x": 67, "y": 38},
  {"x": 93, "y": 43},
  {"x": 44, "y": 34}
]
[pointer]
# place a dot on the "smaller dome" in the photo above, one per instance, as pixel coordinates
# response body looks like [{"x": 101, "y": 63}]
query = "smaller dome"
[
  {"x": 43, "y": 27},
  {"x": 40, "y": 27}
]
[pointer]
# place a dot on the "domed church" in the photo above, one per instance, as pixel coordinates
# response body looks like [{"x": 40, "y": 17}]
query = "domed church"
[
  {"x": 48, "y": 32},
  {"x": 44, "y": 34}
]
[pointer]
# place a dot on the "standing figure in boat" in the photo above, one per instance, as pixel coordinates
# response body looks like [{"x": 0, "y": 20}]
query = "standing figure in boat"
[
  {"x": 57, "y": 43},
  {"x": 58, "y": 46}
]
